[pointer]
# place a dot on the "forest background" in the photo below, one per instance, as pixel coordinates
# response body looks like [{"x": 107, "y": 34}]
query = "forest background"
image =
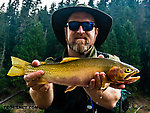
[{"x": 27, "y": 33}]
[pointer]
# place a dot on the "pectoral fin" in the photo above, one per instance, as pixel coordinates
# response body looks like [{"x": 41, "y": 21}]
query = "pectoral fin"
[{"x": 70, "y": 88}]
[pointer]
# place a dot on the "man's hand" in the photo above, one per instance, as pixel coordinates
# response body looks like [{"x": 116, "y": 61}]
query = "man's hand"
[
  {"x": 108, "y": 98},
  {"x": 42, "y": 95},
  {"x": 95, "y": 83},
  {"x": 31, "y": 78}
]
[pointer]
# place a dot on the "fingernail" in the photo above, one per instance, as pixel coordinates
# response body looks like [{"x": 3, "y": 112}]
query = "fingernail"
[
  {"x": 97, "y": 73},
  {"x": 102, "y": 73},
  {"x": 41, "y": 72}
]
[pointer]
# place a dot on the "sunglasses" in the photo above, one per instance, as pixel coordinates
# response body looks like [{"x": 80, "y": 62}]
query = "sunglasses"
[{"x": 74, "y": 25}]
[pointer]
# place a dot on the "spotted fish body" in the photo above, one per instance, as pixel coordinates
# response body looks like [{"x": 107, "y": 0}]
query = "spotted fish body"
[{"x": 77, "y": 72}]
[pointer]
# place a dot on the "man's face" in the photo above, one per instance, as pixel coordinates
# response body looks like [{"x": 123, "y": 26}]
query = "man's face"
[{"x": 80, "y": 40}]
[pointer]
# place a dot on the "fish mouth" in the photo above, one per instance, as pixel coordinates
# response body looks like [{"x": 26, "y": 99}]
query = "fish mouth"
[
  {"x": 134, "y": 72},
  {"x": 129, "y": 78}
]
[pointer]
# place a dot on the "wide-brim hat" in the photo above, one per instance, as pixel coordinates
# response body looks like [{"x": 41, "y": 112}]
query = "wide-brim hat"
[{"x": 102, "y": 20}]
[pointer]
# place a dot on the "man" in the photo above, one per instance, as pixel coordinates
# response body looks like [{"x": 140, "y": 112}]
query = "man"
[{"x": 80, "y": 29}]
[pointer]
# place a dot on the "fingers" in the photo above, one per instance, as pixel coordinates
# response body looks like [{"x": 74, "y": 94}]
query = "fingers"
[
  {"x": 31, "y": 81},
  {"x": 92, "y": 84},
  {"x": 96, "y": 82},
  {"x": 41, "y": 88},
  {"x": 44, "y": 88},
  {"x": 33, "y": 76},
  {"x": 103, "y": 78},
  {"x": 99, "y": 81},
  {"x": 37, "y": 87}
]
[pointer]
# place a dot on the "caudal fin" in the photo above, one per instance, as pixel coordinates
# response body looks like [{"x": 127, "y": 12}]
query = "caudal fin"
[{"x": 17, "y": 68}]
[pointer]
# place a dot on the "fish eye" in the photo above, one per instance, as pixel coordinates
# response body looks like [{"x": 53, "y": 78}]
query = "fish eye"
[{"x": 128, "y": 70}]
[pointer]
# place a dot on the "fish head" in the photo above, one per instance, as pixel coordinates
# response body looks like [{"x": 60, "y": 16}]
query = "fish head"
[{"x": 123, "y": 74}]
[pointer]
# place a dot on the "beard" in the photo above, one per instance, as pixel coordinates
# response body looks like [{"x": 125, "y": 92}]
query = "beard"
[{"x": 80, "y": 46}]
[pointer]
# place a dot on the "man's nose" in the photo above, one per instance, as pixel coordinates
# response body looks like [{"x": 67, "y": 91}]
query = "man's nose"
[{"x": 80, "y": 30}]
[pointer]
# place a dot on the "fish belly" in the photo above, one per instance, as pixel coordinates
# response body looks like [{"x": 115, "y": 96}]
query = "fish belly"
[{"x": 72, "y": 75}]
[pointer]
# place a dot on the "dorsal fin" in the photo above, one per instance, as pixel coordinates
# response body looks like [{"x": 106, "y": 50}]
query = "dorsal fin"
[{"x": 67, "y": 59}]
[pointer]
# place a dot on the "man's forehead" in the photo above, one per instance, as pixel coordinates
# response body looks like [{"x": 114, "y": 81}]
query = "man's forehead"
[{"x": 80, "y": 15}]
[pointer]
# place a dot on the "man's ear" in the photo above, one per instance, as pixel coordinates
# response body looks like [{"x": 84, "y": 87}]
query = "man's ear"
[
  {"x": 65, "y": 30},
  {"x": 96, "y": 31}
]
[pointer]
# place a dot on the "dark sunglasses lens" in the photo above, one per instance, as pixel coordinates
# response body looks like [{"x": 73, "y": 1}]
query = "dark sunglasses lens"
[
  {"x": 74, "y": 26},
  {"x": 87, "y": 26}
]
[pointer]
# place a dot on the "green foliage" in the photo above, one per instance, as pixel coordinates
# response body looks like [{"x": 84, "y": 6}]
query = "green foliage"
[
  {"x": 20, "y": 99},
  {"x": 33, "y": 45},
  {"x": 17, "y": 82},
  {"x": 41, "y": 111},
  {"x": 102, "y": 5},
  {"x": 3, "y": 38},
  {"x": 3, "y": 110},
  {"x": 133, "y": 48},
  {"x": 133, "y": 88},
  {"x": 128, "y": 44},
  {"x": 91, "y": 3},
  {"x": 111, "y": 45},
  {"x": 123, "y": 43},
  {"x": 4, "y": 82}
]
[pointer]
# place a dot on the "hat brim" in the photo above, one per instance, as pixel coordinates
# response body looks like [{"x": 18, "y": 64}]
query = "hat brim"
[{"x": 102, "y": 20}]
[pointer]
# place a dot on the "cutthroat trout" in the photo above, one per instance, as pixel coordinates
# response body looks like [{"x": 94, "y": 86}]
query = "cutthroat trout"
[{"x": 77, "y": 71}]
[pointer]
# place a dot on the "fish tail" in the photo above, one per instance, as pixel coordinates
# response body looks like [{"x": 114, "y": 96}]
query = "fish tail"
[{"x": 18, "y": 66}]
